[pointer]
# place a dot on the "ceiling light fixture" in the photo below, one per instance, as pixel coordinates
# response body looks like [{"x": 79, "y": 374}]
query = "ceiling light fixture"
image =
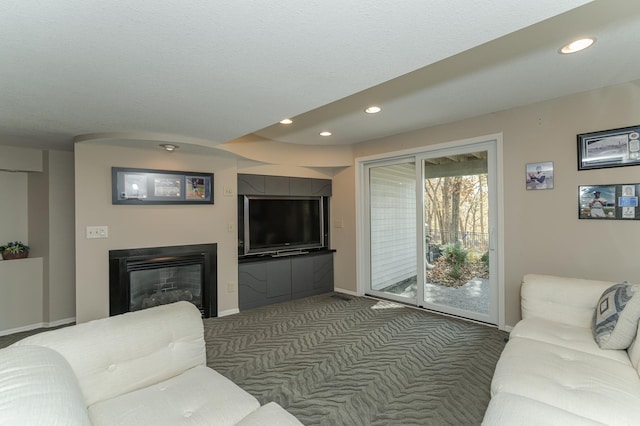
[
  {"x": 286, "y": 121},
  {"x": 577, "y": 45},
  {"x": 373, "y": 109},
  {"x": 325, "y": 133},
  {"x": 169, "y": 147}
]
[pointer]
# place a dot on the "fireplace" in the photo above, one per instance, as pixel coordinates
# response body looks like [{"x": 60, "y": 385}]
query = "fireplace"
[{"x": 146, "y": 277}]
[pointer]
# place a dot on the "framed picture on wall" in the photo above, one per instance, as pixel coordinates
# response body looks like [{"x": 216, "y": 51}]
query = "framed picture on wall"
[
  {"x": 145, "y": 186},
  {"x": 608, "y": 202},
  {"x": 609, "y": 148},
  {"x": 539, "y": 175}
]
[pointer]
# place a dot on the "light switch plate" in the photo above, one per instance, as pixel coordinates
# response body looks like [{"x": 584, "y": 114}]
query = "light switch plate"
[{"x": 97, "y": 232}]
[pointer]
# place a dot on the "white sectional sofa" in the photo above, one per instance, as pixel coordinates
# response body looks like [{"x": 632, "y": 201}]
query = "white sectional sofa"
[
  {"x": 142, "y": 368},
  {"x": 552, "y": 371}
]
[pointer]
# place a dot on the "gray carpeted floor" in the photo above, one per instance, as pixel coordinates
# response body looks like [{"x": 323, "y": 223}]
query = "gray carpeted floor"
[{"x": 359, "y": 361}]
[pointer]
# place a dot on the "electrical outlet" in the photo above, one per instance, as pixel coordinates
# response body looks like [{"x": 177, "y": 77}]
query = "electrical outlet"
[
  {"x": 231, "y": 287},
  {"x": 97, "y": 232}
]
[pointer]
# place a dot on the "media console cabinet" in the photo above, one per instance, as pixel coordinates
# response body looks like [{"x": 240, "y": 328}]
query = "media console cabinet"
[
  {"x": 272, "y": 278},
  {"x": 268, "y": 280}
]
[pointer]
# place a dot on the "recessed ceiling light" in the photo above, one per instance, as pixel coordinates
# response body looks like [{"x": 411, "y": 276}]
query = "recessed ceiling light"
[
  {"x": 286, "y": 121},
  {"x": 169, "y": 147},
  {"x": 577, "y": 45},
  {"x": 325, "y": 133},
  {"x": 373, "y": 109}
]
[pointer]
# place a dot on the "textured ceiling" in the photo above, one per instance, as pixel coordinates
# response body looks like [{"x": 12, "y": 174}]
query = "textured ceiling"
[
  {"x": 206, "y": 72},
  {"x": 514, "y": 70}
]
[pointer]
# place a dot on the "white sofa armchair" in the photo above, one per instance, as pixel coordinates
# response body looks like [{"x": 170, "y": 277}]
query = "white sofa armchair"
[
  {"x": 141, "y": 368},
  {"x": 552, "y": 371}
]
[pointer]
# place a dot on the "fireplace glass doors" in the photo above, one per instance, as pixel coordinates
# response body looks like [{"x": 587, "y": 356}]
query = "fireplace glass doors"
[
  {"x": 144, "y": 278},
  {"x": 160, "y": 284}
]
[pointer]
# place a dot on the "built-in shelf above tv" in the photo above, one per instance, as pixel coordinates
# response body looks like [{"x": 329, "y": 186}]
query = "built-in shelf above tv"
[{"x": 283, "y": 185}]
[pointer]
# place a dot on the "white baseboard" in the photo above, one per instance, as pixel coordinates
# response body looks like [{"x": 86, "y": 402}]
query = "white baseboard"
[
  {"x": 59, "y": 322},
  {"x": 342, "y": 290},
  {"x": 38, "y": 325},
  {"x": 507, "y": 328},
  {"x": 228, "y": 312}
]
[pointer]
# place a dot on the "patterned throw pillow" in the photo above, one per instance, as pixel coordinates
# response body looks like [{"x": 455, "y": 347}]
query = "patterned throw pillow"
[{"x": 615, "y": 321}]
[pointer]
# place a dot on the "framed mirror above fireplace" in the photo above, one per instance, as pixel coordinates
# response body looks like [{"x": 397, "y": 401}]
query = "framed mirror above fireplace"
[{"x": 142, "y": 278}]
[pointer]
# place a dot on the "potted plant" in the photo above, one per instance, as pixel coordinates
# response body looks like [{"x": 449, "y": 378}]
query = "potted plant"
[{"x": 14, "y": 250}]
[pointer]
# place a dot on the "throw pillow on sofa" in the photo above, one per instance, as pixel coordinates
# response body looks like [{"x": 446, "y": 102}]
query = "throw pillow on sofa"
[{"x": 615, "y": 321}]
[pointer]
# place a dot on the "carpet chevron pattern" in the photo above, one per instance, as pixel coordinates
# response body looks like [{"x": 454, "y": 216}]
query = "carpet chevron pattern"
[{"x": 331, "y": 361}]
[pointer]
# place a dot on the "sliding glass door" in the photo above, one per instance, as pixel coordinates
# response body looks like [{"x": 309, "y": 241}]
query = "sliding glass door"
[{"x": 430, "y": 221}]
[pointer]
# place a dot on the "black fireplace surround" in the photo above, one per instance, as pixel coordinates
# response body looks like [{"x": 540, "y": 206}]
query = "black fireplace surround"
[{"x": 145, "y": 277}]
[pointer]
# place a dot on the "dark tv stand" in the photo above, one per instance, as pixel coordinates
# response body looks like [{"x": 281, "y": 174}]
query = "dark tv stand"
[
  {"x": 268, "y": 279},
  {"x": 281, "y": 276}
]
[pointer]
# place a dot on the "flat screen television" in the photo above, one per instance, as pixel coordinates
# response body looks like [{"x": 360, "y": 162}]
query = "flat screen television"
[{"x": 274, "y": 224}]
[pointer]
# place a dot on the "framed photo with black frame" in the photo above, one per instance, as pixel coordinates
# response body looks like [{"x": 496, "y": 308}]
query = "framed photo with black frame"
[
  {"x": 146, "y": 186},
  {"x": 609, "y": 202},
  {"x": 609, "y": 148}
]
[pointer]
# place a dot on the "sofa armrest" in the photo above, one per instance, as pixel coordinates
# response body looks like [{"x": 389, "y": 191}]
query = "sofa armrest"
[
  {"x": 569, "y": 301},
  {"x": 38, "y": 387}
]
